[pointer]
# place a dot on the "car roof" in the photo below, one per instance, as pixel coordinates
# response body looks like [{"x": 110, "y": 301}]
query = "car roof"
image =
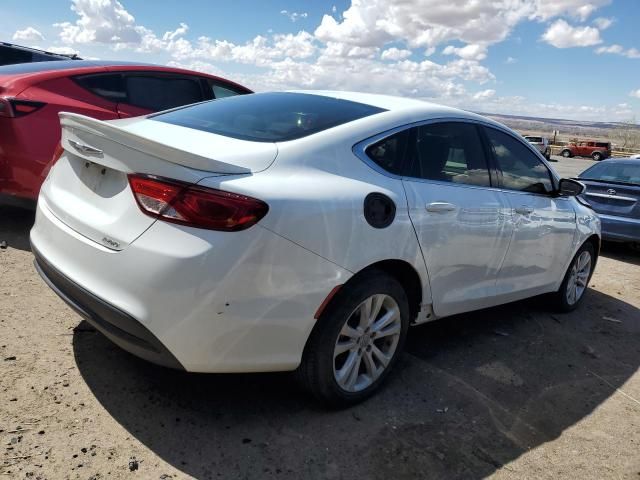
[
  {"x": 402, "y": 105},
  {"x": 53, "y": 55},
  {"x": 623, "y": 161},
  {"x": 37, "y": 67},
  {"x": 16, "y": 78}
]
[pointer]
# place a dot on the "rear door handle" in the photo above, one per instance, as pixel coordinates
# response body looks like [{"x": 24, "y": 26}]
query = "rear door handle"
[
  {"x": 440, "y": 207},
  {"x": 524, "y": 210}
]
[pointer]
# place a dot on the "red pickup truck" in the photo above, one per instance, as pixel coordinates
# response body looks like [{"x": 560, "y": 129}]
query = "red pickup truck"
[{"x": 596, "y": 150}]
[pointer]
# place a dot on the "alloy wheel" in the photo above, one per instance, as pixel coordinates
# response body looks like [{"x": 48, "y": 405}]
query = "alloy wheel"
[
  {"x": 577, "y": 284},
  {"x": 367, "y": 343}
]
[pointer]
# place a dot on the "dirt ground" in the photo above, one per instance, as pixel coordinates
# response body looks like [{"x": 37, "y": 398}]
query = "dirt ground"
[{"x": 510, "y": 392}]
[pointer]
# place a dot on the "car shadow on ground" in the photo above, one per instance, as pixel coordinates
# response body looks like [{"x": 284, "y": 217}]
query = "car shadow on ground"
[
  {"x": 15, "y": 224},
  {"x": 471, "y": 393}
]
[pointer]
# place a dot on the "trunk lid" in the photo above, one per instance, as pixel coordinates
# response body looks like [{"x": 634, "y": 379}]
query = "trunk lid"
[
  {"x": 614, "y": 199},
  {"x": 88, "y": 188}
]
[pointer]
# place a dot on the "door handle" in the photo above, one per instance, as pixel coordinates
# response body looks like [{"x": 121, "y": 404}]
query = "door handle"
[
  {"x": 440, "y": 207},
  {"x": 524, "y": 210}
]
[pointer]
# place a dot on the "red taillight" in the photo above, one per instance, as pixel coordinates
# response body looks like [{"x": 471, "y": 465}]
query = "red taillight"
[
  {"x": 10, "y": 107},
  {"x": 196, "y": 206}
]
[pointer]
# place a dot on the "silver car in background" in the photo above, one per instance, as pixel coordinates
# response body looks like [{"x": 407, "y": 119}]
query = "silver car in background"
[
  {"x": 541, "y": 144},
  {"x": 613, "y": 190}
]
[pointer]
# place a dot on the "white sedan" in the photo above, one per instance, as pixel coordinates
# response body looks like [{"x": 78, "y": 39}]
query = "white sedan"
[{"x": 302, "y": 231}]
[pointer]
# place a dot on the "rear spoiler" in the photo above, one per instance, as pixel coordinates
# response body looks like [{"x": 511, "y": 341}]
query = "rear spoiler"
[{"x": 72, "y": 123}]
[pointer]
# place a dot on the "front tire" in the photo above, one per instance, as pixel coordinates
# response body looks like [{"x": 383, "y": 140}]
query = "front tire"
[
  {"x": 566, "y": 153},
  {"x": 356, "y": 341},
  {"x": 576, "y": 279}
]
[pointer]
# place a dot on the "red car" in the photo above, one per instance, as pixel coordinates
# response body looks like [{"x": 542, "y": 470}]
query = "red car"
[
  {"x": 32, "y": 94},
  {"x": 590, "y": 148}
]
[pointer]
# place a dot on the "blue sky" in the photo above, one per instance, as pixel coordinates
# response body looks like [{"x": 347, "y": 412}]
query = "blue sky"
[{"x": 576, "y": 59}]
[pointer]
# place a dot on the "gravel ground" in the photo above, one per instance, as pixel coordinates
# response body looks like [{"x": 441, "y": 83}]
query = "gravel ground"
[{"x": 509, "y": 392}]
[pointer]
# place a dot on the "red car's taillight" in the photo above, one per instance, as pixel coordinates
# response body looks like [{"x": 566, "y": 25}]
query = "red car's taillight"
[
  {"x": 10, "y": 107},
  {"x": 195, "y": 206}
]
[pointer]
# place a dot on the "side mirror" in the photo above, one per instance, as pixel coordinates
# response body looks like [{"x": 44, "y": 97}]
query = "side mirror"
[{"x": 570, "y": 187}]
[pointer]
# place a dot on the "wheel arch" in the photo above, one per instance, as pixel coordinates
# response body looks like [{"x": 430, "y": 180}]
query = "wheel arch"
[
  {"x": 596, "y": 242},
  {"x": 401, "y": 270}
]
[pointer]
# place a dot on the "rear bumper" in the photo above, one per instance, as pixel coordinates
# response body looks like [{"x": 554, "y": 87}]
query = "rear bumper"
[
  {"x": 117, "y": 326},
  {"x": 620, "y": 229},
  {"x": 218, "y": 302}
]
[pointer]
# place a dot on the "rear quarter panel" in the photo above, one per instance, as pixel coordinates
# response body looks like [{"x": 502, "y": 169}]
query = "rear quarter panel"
[{"x": 316, "y": 190}]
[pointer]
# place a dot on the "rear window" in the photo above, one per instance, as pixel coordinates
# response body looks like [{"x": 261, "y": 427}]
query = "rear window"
[
  {"x": 534, "y": 139},
  {"x": 609, "y": 171},
  {"x": 268, "y": 117},
  {"x": 603, "y": 144}
]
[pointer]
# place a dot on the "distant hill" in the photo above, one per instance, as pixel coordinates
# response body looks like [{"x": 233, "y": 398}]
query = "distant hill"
[{"x": 566, "y": 127}]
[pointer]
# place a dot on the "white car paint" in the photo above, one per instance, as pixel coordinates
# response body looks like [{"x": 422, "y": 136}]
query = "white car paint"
[{"x": 246, "y": 301}]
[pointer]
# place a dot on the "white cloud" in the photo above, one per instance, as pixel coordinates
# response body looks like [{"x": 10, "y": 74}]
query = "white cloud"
[
  {"x": 395, "y": 54},
  {"x": 29, "y": 34},
  {"x": 178, "y": 32},
  {"x": 294, "y": 16},
  {"x": 63, "y": 50},
  {"x": 423, "y": 23},
  {"x": 562, "y": 35},
  {"x": 580, "y": 9},
  {"x": 511, "y": 60},
  {"x": 484, "y": 94},
  {"x": 603, "y": 23},
  {"x": 619, "y": 50},
  {"x": 100, "y": 21},
  {"x": 635, "y": 93},
  {"x": 468, "y": 52}
]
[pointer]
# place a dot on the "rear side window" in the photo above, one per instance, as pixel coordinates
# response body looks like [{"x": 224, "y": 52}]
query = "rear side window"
[
  {"x": 389, "y": 153},
  {"x": 268, "y": 117},
  {"x": 449, "y": 152},
  {"x": 521, "y": 168},
  {"x": 223, "y": 91},
  {"x": 162, "y": 92},
  {"x": 106, "y": 85}
]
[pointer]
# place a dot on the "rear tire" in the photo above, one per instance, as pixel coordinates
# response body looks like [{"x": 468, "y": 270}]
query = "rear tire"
[
  {"x": 597, "y": 156},
  {"x": 576, "y": 280},
  {"x": 566, "y": 153},
  {"x": 352, "y": 332}
]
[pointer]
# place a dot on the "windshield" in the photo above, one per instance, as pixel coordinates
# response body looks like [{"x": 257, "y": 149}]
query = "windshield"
[
  {"x": 534, "y": 139},
  {"x": 608, "y": 171},
  {"x": 268, "y": 117}
]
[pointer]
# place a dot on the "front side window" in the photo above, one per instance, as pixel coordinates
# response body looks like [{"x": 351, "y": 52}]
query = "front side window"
[
  {"x": 162, "y": 92},
  {"x": 389, "y": 153},
  {"x": 521, "y": 169},
  {"x": 449, "y": 152}
]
